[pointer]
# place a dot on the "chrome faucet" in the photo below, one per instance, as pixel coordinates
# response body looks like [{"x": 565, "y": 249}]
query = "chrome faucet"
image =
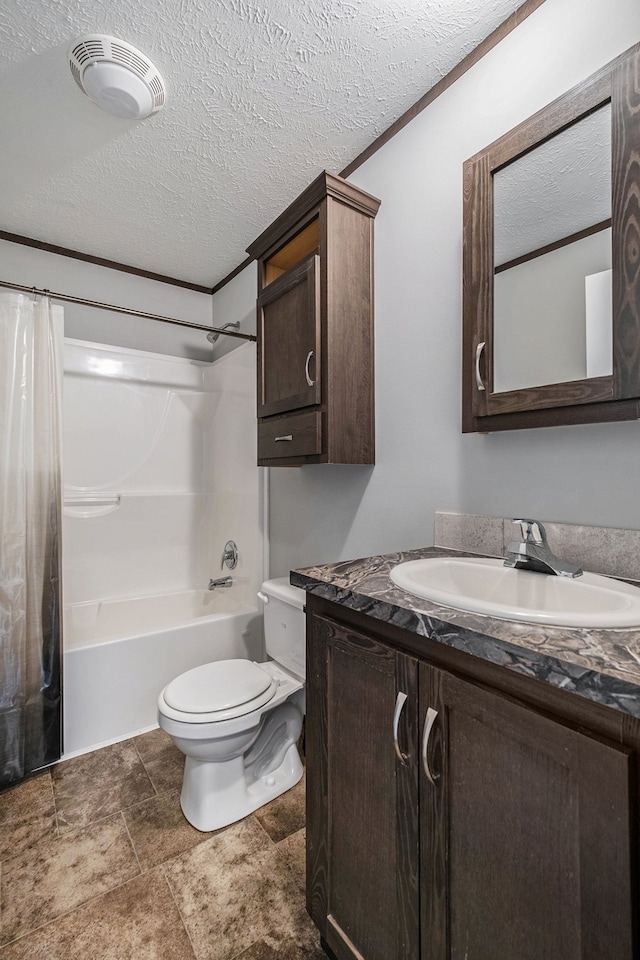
[
  {"x": 533, "y": 552},
  {"x": 220, "y": 582},
  {"x": 230, "y": 555}
]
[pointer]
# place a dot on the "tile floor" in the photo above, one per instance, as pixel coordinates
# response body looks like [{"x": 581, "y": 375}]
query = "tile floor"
[{"x": 97, "y": 861}]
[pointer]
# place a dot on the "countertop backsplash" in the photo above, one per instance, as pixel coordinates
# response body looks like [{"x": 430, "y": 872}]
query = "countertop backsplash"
[{"x": 606, "y": 550}]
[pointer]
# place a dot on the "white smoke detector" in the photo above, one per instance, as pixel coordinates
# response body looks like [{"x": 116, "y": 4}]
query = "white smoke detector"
[{"x": 116, "y": 76}]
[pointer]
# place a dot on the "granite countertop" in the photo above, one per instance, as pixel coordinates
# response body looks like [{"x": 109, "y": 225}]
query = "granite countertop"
[{"x": 602, "y": 665}]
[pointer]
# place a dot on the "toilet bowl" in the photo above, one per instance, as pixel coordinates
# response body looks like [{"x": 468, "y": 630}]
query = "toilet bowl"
[{"x": 238, "y": 722}]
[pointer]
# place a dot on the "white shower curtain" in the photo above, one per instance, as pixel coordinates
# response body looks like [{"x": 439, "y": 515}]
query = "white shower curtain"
[{"x": 31, "y": 370}]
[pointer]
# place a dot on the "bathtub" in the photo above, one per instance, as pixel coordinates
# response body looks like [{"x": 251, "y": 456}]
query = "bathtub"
[{"x": 119, "y": 654}]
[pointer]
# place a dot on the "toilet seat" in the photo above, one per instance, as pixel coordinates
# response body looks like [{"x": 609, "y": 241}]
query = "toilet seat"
[{"x": 217, "y": 691}]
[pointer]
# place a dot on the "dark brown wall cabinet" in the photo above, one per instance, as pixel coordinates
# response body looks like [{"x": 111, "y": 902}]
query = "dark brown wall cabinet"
[
  {"x": 450, "y": 821},
  {"x": 576, "y": 391},
  {"x": 315, "y": 329}
]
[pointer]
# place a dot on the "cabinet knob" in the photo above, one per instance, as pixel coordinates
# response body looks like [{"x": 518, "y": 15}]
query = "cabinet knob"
[
  {"x": 280, "y": 439},
  {"x": 401, "y": 699},
  {"x": 429, "y": 721}
]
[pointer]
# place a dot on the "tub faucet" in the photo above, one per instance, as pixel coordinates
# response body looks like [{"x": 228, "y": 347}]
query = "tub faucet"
[
  {"x": 533, "y": 552},
  {"x": 220, "y": 582}
]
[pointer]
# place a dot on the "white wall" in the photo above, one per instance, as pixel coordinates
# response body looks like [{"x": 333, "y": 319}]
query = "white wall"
[
  {"x": 585, "y": 474},
  {"x": 39, "y": 268}
]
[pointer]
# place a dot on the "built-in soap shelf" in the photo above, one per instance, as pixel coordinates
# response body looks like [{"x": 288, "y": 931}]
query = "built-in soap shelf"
[
  {"x": 85, "y": 505},
  {"x": 93, "y": 500},
  {"x": 164, "y": 493}
]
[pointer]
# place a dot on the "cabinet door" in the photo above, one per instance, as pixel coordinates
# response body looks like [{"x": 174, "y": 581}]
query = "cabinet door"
[
  {"x": 544, "y": 343},
  {"x": 525, "y": 833},
  {"x": 289, "y": 340},
  {"x": 362, "y": 840}
]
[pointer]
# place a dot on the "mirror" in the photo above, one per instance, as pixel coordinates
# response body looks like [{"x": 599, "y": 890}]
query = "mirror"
[
  {"x": 552, "y": 260},
  {"x": 551, "y": 274}
]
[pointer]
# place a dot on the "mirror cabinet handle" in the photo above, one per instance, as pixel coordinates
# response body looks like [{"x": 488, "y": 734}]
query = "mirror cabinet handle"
[
  {"x": 401, "y": 699},
  {"x": 429, "y": 721},
  {"x": 306, "y": 369},
  {"x": 479, "y": 384}
]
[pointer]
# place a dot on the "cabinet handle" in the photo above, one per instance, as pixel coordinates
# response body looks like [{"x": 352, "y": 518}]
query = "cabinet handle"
[
  {"x": 429, "y": 721},
  {"x": 306, "y": 369},
  {"x": 401, "y": 699},
  {"x": 288, "y": 437},
  {"x": 479, "y": 384}
]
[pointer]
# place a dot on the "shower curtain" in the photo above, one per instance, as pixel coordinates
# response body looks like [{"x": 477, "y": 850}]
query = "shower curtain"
[{"x": 31, "y": 370}]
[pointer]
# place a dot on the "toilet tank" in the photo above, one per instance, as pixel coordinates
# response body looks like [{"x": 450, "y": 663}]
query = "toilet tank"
[{"x": 284, "y": 624}]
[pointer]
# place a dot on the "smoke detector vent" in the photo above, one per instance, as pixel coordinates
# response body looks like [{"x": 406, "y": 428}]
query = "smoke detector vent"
[{"x": 116, "y": 76}]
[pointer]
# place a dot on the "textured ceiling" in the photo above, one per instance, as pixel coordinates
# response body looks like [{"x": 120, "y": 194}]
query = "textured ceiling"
[{"x": 261, "y": 97}]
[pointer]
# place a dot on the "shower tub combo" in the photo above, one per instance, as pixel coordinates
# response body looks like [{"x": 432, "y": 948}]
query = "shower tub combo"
[
  {"x": 119, "y": 654},
  {"x": 156, "y": 480}
]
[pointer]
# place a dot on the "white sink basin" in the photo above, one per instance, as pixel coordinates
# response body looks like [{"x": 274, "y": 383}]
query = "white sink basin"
[{"x": 488, "y": 587}]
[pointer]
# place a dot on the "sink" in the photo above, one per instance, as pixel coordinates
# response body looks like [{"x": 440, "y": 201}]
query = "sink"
[{"x": 486, "y": 586}]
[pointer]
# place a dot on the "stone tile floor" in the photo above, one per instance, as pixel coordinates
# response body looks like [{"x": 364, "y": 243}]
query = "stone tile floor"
[{"x": 97, "y": 861}]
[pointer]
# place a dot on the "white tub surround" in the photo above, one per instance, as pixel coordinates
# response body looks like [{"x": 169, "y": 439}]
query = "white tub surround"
[
  {"x": 134, "y": 435},
  {"x": 159, "y": 474}
]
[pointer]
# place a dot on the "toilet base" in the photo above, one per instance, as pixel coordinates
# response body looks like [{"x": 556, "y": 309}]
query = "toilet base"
[{"x": 217, "y": 794}]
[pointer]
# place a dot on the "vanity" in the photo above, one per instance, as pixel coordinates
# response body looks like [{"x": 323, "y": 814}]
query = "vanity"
[{"x": 472, "y": 782}]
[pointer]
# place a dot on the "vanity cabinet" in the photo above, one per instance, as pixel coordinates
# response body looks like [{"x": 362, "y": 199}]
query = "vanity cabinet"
[
  {"x": 524, "y": 834},
  {"x": 315, "y": 329},
  {"x": 362, "y": 800},
  {"x": 460, "y": 823}
]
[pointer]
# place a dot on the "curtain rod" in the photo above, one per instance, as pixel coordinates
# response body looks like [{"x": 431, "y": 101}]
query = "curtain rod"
[{"x": 127, "y": 310}]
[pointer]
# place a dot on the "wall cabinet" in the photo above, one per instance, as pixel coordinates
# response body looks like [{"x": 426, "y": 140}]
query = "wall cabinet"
[
  {"x": 551, "y": 286},
  {"x": 450, "y": 821},
  {"x": 315, "y": 329}
]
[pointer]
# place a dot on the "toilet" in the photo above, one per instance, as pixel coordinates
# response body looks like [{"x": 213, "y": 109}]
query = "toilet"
[{"x": 238, "y": 722}]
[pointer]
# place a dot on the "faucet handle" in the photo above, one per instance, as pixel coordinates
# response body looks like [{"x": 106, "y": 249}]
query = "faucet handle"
[
  {"x": 532, "y": 531},
  {"x": 229, "y": 555}
]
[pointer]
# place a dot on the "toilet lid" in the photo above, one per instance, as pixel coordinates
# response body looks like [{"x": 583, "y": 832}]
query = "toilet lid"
[{"x": 219, "y": 686}]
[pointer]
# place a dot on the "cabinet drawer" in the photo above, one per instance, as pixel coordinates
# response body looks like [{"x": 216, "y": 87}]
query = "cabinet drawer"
[{"x": 297, "y": 436}]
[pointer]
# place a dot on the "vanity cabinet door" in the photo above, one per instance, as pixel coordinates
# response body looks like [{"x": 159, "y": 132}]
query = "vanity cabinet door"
[
  {"x": 525, "y": 833},
  {"x": 362, "y": 839}
]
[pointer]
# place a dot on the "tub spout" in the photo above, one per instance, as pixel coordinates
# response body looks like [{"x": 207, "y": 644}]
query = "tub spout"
[{"x": 220, "y": 582}]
